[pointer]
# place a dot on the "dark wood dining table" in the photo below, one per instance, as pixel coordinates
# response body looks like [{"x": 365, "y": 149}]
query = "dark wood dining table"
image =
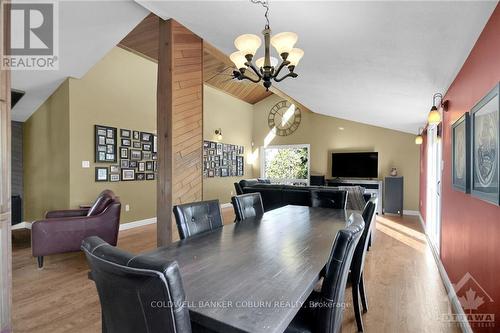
[{"x": 253, "y": 276}]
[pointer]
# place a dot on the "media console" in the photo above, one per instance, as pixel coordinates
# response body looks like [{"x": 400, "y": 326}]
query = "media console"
[{"x": 372, "y": 186}]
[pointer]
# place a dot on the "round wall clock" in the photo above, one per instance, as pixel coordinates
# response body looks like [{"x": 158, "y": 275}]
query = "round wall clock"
[{"x": 285, "y": 117}]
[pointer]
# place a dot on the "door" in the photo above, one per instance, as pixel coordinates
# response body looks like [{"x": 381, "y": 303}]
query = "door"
[{"x": 434, "y": 163}]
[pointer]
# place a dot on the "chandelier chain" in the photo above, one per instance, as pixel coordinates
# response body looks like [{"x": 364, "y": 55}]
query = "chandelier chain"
[{"x": 265, "y": 4}]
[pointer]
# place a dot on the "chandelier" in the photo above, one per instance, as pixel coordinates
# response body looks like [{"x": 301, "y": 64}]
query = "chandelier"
[{"x": 266, "y": 68}]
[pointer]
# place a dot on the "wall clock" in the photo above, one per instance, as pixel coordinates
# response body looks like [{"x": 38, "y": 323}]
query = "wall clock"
[{"x": 285, "y": 117}]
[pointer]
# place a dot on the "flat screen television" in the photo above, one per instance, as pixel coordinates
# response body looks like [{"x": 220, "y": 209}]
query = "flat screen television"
[{"x": 356, "y": 165}]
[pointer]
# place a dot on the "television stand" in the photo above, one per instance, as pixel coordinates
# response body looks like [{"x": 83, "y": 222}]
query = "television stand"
[{"x": 372, "y": 186}]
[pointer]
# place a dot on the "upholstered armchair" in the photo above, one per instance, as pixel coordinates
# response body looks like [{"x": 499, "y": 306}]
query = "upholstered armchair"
[{"x": 64, "y": 230}]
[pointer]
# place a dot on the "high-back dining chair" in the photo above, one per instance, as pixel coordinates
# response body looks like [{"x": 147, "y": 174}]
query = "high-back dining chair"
[
  {"x": 247, "y": 206},
  {"x": 358, "y": 262},
  {"x": 323, "y": 313},
  {"x": 329, "y": 198},
  {"x": 137, "y": 293},
  {"x": 197, "y": 217}
]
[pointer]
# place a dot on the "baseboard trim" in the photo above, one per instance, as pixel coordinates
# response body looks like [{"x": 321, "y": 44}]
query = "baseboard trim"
[
  {"x": 22, "y": 225},
  {"x": 136, "y": 224},
  {"x": 411, "y": 212},
  {"x": 455, "y": 303}
]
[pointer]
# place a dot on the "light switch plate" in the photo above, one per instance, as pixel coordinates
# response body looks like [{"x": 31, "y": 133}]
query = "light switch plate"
[{"x": 85, "y": 164}]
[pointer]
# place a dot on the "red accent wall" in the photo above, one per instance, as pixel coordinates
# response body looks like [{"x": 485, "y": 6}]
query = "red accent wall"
[{"x": 470, "y": 232}]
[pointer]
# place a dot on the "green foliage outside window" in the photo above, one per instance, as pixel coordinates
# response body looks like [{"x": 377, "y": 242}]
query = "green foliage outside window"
[{"x": 286, "y": 163}]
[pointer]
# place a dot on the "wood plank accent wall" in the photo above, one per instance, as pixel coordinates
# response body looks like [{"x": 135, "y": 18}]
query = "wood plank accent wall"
[
  {"x": 5, "y": 207},
  {"x": 180, "y": 122}
]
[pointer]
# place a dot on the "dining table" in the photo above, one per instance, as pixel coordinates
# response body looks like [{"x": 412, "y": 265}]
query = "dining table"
[{"x": 254, "y": 275}]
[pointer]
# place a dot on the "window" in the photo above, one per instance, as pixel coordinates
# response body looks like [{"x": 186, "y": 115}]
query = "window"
[{"x": 285, "y": 164}]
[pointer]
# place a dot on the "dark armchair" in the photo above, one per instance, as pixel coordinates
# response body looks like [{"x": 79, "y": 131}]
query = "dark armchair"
[{"x": 63, "y": 230}]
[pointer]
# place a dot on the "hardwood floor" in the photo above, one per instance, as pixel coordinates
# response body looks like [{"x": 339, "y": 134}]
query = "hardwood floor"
[{"x": 405, "y": 292}]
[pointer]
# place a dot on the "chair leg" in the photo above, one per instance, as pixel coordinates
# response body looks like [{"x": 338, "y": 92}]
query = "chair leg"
[
  {"x": 357, "y": 312},
  {"x": 363, "y": 293},
  {"x": 40, "y": 261}
]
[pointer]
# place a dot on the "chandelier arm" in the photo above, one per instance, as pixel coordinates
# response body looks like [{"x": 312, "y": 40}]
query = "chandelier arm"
[
  {"x": 283, "y": 64},
  {"x": 255, "y": 70},
  {"x": 291, "y": 74},
  {"x": 244, "y": 77}
]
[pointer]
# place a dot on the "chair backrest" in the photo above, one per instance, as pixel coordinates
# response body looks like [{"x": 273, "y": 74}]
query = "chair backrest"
[
  {"x": 105, "y": 198},
  {"x": 247, "y": 206},
  {"x": 197, "y": 217},
  {"x": 329, "y": 319},
  {"x": 358, "y": 261},
  {"x": 238, "y": 189},
  {"x": 329, "y": 198},
  {"x": 137, "y": 293}
]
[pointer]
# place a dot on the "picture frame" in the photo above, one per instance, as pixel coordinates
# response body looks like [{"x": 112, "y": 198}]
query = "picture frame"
[
  {"x": 155, "y": 143},
  {"x": 141, "y": 166},
  {"x": 128, "y": 174},
  {"x": 104, "y": 144},
  {"x": 146, "y": 137},
  {"x": 485, "y": 147},
  {"x": 126, "y": 142},
  {"x": 124, "y": 152},
  {"x": 101, "y": 174},
  {"x": 124, "y": 133},
  {"x": 140, "y": 176},
  {"x": 150, "y": 176},
  {"x": 114, "y": 169},
  {"x": 460, "y": 154},
  {"x": 146, "y": 155},
  {"x": 136, "y": 135},
  {"x": 135, "y": 155},
  {"x": 114, "y": 177},
  {"x": 146, "y": 146},
  {"x": 124, "y": 164},
  {"x": 132, "y": 164},
  {"x": 149, "y": 166},
  {"x": 137, "y": 145}
]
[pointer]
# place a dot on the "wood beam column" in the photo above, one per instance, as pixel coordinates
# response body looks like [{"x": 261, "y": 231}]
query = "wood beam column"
[
  {"x": 179, "y": 122},
  {"x": 5, "y": 207}
]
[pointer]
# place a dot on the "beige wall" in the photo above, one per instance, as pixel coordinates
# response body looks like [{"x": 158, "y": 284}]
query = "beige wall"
[
  {"x": 46, "y": 156},
  {"x": 235, "y": 118},
  {"x": 119, "y": 91},
  {"x": 396, "y": 149}
]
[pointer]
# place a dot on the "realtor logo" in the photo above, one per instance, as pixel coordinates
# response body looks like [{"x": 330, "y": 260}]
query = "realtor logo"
[
  {"x": 472, "y": 298},
  {"x": 34, "y": 36}
]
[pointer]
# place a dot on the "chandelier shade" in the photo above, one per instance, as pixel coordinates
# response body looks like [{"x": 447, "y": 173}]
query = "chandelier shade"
[
  {"x": 294, "y": 56},
  {"x": 284, "y": 42},
  {"x": 238, "y": 58},
  {"x": 248, "y": 43}
]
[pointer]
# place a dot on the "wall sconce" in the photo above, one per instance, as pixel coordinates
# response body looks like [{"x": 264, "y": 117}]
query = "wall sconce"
[
  {"x": 218, "y": 134},
  {"x": 434, "y": 116},
  {"x": 419, "y": 139}
]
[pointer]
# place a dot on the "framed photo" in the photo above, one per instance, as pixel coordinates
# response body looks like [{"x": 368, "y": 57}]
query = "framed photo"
[
  {"x": 146, "y": 137},
  {"x": 224, "y": 172},
  {"x": 150, "y": 176},
  {"x": 155, "y": 144},
  {"x": 155, "y": 166},
  {"x": 141, "y": 166},
  {"x": 126, "y": 142},
  {"x": 104, "y": 144},
  {"x": 140, "y": 176},
  {"x": 149, "y": 166},
  {"x": 135, "y": 155},
  {"x": 211, "y": 173},
  {"x": 146, "y": 155},
  {"x": 460, "y": 152},
  {"x": 485, "y": 160},
  {"x": 128, "y": 174},
  {"x": 101, "y": 174},
  {"x": 136, "y": 145},
  {"x": 124, "y": 164},
  {"x": 132, "y": 164},
  {"x": 114, "y": 169},
  {"x": 124, "y": 152},
  {"x": 154, "y": 156},
  {"x": 114, "y": 177},
  {"x": 136, "y": 135},
  {"x": 146, "y": 146},
  {"x": 124, "y": 133}
]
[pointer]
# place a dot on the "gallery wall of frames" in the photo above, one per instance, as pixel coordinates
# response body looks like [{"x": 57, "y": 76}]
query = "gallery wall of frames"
[
  {"x": 129, "y": 154},
  {"x": 222, "y": 159}
]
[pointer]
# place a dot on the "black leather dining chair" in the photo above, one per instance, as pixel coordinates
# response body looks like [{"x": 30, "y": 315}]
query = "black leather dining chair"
[
  {"x": 358, "y": 262},
  {"x": 137, "y": 293},
  {"x": 323, "y": 311},
  {"x": 197, "y": 217},
  {"x": 329, "y": 199},
  {"x": 247, "y": 206}
]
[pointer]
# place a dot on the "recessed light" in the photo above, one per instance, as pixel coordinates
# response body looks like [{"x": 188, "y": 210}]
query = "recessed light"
[{"x": 341, "y": 128}]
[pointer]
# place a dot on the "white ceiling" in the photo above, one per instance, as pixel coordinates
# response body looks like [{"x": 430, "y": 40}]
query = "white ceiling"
[
  {"x": 372, "y": 62},
  {"x": 87, "y": 31}
]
